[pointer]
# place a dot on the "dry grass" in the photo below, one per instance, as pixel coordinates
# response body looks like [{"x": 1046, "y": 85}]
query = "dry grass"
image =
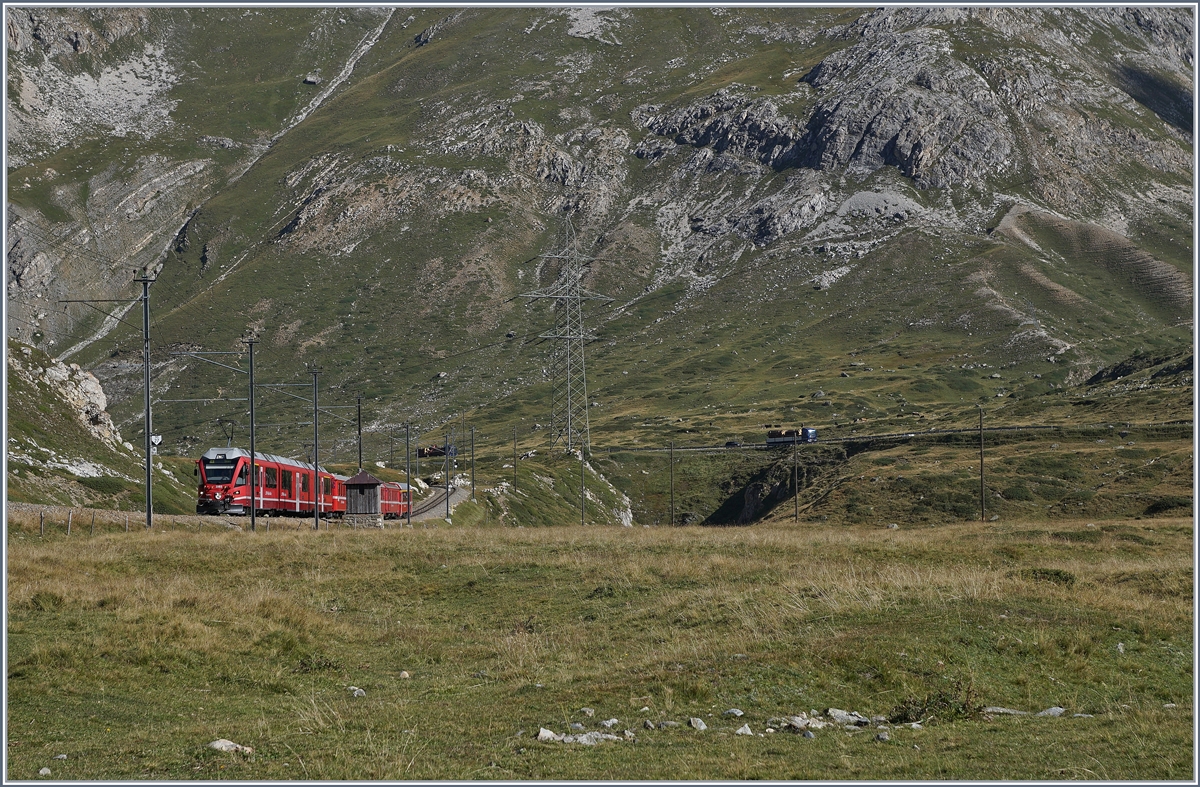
[{"x": 508, "y": 629}]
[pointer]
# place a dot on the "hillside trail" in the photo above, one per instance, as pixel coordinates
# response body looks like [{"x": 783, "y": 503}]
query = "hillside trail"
[
  {"x": 363, "y": 47},
  {"x": 257, "y": 152}
]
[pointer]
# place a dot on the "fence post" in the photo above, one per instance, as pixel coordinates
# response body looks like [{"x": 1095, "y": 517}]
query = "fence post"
[
  {"x": 42, "y": 523},
  {"x": 93, "y": 523},
  {"x": 70, "y": 514},
  {"x": 127, "y": 523}
]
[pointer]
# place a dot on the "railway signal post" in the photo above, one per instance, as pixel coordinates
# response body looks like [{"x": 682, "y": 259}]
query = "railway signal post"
[
  {"x": 316, "y": 457},
  {"x": 982, "y": 503},
  {"x": 253, "y": 467},
  {"x": 795, "y": 482},
  {"x": 672, "y": 463},
  {"x": 446, "y": 453},
  {"x": 146, "y": 281},
  {"x": 408, "y": 473}
]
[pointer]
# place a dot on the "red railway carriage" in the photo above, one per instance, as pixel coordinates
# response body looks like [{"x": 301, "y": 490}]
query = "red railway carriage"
[
  {"x": 393, "y": 499},
  {"x": 285, "y": 486}
]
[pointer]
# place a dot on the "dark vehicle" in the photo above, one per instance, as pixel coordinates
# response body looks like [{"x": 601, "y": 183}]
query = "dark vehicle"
[
  {"x": 732, "y": 444},
  {"x": 805, "y": 434}
]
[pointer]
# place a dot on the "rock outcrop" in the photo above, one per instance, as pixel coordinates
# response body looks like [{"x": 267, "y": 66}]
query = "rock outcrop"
[
  {"x": 78, "y": 388},
  {"x": 903, "y": 99},
  {"x": 728, "y": 121}
]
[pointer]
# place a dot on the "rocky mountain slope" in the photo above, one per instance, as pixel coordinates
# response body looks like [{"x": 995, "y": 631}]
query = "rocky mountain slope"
[{"x": 897, "y": 209}]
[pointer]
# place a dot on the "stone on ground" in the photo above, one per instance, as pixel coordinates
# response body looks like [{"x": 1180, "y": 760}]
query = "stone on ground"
[{"x": 222, "y": 744}]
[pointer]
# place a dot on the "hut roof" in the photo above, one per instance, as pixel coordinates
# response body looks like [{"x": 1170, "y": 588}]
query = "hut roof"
[{"x": 363, "y": 478}]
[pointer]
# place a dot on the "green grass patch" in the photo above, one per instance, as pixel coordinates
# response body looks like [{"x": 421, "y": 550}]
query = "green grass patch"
[{"x": 466, "y": 641}]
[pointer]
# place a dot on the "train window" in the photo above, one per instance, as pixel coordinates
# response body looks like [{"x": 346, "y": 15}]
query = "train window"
[
  {"x": 272, "y": 478},
  {"x": 218, "y": 472},
  {"x": 327, "y": 486},
  {"x": 304, "y": 482},
  {"x": 243, "y": 475},
  {"x": 287, "y": 480}
]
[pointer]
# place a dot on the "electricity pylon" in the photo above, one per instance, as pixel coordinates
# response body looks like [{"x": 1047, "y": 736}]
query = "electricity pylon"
[{"x": 568, "y": 371}]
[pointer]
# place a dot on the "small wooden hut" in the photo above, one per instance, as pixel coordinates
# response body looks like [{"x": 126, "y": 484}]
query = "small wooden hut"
[{"x": 362, "y": 500}]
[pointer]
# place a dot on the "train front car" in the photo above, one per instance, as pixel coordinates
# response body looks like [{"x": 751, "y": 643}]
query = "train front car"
[{"x": 224, "y": 475}]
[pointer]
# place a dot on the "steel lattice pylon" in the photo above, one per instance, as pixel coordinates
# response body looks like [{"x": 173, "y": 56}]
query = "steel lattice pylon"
[{"x": 568, "y": 371}]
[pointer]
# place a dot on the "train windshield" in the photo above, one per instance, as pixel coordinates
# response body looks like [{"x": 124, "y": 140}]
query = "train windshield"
[{"x": 218, "y": 471}]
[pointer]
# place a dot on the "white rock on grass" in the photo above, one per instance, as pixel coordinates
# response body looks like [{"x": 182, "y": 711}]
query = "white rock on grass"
[
  {"x": 1053, "y": 711},
  {"x": 223, "y": 744},
  {"x": 589, "y": 712},
  {"x": 357, "y": 692},
  {"x": 587, "y": 738},
  {"x": 44, "y": 772},
  {"x": 743, "y": 730},
  {"x": 847, "y": 717},
  {"x": 995, "y": 710},
  {"x": 609, "y": 723},
  {"x": 59, "y": 757},
  {"x": 596, "y": 737},
  {"x": 734, "y": 712},
  {"x": 801, "y": 722},
  {"x": 697, "y": 723}
]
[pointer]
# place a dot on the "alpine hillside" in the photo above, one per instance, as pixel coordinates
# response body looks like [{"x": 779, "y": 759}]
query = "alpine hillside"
[{"x": 867, "y": 221}]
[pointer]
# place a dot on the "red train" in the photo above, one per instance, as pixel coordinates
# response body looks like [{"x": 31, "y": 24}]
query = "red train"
[{"x": 285, "y": 486}]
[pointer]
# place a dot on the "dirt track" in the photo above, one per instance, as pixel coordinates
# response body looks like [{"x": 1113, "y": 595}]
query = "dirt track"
[{"x": 31, "y": 517}]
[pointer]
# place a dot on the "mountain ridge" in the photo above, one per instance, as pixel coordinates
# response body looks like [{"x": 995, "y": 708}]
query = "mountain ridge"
[{"x": 819, "y": 182}]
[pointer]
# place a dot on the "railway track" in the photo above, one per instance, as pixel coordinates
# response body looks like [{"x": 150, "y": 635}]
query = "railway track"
[
  {"x": 428, "y": 505},
  {"x": 885, "y": 436}
]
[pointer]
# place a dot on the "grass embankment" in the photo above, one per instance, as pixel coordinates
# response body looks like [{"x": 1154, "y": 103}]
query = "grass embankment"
[{"x": 129, "y": 653}]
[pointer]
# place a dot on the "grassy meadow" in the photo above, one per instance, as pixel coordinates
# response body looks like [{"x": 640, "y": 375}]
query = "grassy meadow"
[{"x": 130, "y": 652}]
